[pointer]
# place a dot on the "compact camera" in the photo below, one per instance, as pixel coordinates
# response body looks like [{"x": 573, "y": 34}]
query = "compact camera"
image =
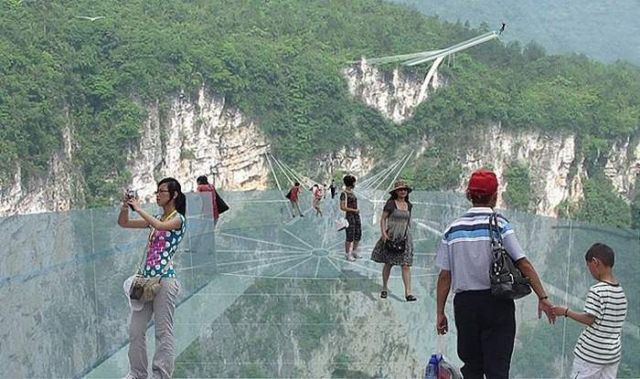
[{"x": 131, "y": 194}]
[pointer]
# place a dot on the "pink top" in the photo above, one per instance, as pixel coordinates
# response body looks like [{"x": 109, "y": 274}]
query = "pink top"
[{"x": 214, "y": 204}]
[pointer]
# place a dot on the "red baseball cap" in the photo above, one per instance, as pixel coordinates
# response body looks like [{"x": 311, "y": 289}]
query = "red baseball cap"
[{"x": 483, "y": 182}]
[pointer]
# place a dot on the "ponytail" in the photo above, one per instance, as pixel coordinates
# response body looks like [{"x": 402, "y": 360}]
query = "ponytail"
[
  {"x": 174, "y": 187},
  {"x": 181, "y": 204}
]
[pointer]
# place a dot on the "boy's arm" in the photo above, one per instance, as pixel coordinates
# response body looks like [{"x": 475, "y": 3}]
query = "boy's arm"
[{"x": 582, "y": 317}]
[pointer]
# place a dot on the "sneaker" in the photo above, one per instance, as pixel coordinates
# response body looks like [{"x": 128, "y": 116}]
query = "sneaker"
[
  {"x": 350, "y": 258},
  {"x": 356, "y": 255}
]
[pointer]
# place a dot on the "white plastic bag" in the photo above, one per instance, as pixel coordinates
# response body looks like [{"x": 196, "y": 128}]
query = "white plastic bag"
[{"x": 342, "y": 223}]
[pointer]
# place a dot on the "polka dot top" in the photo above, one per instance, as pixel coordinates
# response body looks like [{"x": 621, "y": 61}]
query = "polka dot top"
[{"x": 162, "y": 247}]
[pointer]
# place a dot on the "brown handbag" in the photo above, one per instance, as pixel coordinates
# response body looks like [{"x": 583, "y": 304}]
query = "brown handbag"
[{"x": 143, "y": 288}]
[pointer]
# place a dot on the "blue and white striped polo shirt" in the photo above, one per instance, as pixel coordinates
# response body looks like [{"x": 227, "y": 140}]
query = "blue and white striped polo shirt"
[{"x": 465, "y": 249}]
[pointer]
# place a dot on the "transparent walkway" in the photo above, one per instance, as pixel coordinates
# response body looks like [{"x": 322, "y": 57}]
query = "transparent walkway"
[{"x": 270, "y": 296}]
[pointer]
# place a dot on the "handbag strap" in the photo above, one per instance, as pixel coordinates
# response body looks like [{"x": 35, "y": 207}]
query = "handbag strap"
[
  {"x": 406, "y": 229},
  {"x": 149, "y": 240},
  {"x": 494, "y": 231}
]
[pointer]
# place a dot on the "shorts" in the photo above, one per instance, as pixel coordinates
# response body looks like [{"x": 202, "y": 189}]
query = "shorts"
[
  {"x": 584, "y": 370},
  {"x": 354, "y": 230}
]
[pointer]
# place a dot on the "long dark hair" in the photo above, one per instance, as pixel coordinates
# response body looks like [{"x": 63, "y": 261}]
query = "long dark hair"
[{"x": 174, "y": 187}]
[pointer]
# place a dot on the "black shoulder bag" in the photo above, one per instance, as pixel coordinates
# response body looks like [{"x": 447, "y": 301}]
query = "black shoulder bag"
[
  {"x": 507, "y": 281},
  {"x": 398, "y": 246}
]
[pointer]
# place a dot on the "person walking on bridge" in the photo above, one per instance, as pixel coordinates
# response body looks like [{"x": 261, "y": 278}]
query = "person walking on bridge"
[
  {"x": 318, "y": 193},
  {"x": 395, "y": 225},
  {"x": 349, "y": 205},
  {"x": 294, "y": 196},
  {"x": 486, "y": 324}
]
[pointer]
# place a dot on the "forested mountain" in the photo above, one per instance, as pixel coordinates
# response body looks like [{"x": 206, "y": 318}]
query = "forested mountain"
[
  {"x": 605, "y": 30},
  {"x": 281, "y": 63}
]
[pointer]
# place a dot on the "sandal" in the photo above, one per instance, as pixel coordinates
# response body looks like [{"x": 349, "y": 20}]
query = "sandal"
[
  {"x": 411, "y": 298},
  {"x": 383, "y": 294}
]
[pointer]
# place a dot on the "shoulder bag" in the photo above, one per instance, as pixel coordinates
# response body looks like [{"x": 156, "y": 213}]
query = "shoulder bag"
[
  {"x": 398, "y": 245},
  {"x": 507, "y": 281}
]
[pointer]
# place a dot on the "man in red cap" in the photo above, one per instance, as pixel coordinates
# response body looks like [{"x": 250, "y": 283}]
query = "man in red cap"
[{"x": 486, "y": 325}]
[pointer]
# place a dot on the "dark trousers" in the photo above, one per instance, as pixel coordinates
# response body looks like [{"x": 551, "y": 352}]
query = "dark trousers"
[{"x": 486, "y": 330}]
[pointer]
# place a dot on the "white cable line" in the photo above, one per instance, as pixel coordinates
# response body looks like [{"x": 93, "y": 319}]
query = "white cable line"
[
  {"x": 334, "y": 245},
  {"x": 371, "y": 190},
  {"x": 317, "y": 266},
  {"x": 303, "y": 179},
  {"x": 334, "y": 265},
  {"x": 263, "y": 201},
  {"x": 266, "y": 155},
  {"x": 261, "y": 259},
  {"x": 395, "y": 165},
  {"x": 298, "y": 238},
  {"x": 257, "y": 251},
  {"x": 290, "y": 176},
  {"x": 390, "y": 170},
  {"x": 399, "y": 171},
  {"x": 357, "y": 265},
  {"x": 294, "y": 266},
  {"x": 376, "y": 177},
  {"x": 282, "y": 260},
  {"x": 275, "y": 160},
  {"x": 406, "y": 160},
  {"x": 366, "y": 182},
  {"x": 261, "y": 241}
]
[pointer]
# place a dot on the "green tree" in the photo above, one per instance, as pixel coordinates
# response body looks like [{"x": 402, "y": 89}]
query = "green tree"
[{"x": 518, "y": 193}]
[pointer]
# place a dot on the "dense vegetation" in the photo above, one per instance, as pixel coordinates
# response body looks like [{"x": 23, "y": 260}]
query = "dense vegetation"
[
  {"x": 280, "y": 62},
  {"x": 518, "y": 192}
]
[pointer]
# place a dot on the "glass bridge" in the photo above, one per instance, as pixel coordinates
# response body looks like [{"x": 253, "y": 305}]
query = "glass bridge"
[{"x": 268, "y": 296}]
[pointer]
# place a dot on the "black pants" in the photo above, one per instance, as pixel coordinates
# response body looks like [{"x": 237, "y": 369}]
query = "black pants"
[{"x": 486, "y": 331}]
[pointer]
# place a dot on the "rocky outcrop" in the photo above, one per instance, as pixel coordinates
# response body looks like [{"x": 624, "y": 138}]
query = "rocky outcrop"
[
  {"x": 58, "y": 190},
  {"x": 395, "y": 94},
  {"x": 550, "y": 158},
  {"x": 200, "y": 136},
  {"x": 556, "y": 169}
]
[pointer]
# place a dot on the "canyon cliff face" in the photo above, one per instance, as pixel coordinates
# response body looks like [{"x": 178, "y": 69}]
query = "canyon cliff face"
[
  {"x": 204, "y": 135},
  {"x": 557, "y": 171},
  {"x": 58, "y": 190},
  {"x": 395, "y": 94},
  {"x": 550, "y": 159},
  {"x": 191, "y": 137},
  {"x": 200, "y": 136}
]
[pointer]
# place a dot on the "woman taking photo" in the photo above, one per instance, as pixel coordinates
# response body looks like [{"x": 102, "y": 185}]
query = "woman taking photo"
[
  {"x": 167, "y": 231},
  {"x": 395, "y": 246}
]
